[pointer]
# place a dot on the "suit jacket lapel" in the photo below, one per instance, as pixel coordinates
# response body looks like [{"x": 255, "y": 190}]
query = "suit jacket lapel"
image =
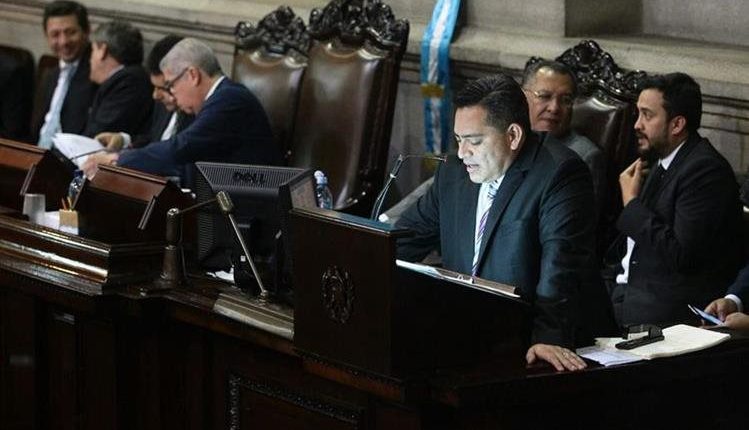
[
  {"x": 510, "y": 184},
  {"x": 692, "y": 141},
  {"x": 469, "y": 194}
]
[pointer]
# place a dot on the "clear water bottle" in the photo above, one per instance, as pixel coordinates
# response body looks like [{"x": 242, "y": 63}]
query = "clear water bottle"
[
  {"x": 322, "y": 192},
  {"x": 75, "y": 185}
]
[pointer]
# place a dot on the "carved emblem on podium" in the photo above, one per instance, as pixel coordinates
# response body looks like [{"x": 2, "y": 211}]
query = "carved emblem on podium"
[{"x": 337, "y": 294}]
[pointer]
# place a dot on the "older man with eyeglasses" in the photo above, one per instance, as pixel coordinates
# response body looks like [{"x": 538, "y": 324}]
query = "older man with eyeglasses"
[
  {"x": 230, "y": 124},
  {"x": 550, "y": 88}
]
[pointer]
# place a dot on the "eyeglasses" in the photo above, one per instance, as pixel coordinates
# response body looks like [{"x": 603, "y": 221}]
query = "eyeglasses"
[
  {"x": 169, "y": 85},
  {"x": 545, "y": 97}
]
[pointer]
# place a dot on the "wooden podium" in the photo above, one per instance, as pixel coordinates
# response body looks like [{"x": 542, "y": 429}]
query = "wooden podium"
[
  {"x": 27, "y": 168},
  {"x": 356, "y": 308},
  {"x": 126, "y": 206}
]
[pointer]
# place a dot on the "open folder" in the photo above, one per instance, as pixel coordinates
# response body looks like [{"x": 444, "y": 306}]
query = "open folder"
[
  {"x": 678, "y": 339},
  {"x": 470, "y": 281},
  {"x": 77, "y": 148}
]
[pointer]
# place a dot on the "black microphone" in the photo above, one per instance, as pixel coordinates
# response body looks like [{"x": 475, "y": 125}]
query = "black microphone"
[
  {"x": 172, "y": 272},
  {"x": 394, "y": 174}
]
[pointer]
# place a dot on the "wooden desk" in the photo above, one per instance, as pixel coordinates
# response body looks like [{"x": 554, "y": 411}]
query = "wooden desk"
[{"x": 80, "y": 352}]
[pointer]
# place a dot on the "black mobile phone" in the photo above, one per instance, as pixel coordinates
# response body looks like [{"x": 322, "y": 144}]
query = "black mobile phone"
[{"x": 640, "y": 341}]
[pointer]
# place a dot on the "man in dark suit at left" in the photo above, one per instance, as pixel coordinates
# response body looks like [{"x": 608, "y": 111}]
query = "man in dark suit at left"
[
  {"x": 123, "y": 101},
  {"x": 512, "y": 210},
  {"x": 66, "y": 92},
  {"x": 230, "y": 124}
]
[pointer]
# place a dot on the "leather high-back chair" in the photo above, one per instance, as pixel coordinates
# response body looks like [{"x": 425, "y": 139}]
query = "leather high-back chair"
[
  {"x": 605, "y": 109},
  {"x": 345, "y": 112},
  {"x": 270, "y": 60},
  {"x": 16, "y": 88}
]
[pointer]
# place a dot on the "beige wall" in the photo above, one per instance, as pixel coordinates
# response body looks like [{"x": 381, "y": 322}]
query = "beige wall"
[{"x": 498, "y": 34}]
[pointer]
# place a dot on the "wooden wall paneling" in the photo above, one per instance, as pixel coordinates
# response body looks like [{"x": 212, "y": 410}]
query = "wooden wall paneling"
[
  {"x": 58, "y": 363},
  {"x": 256, "y": 389},
  {"x": 97, "y": 373},
  {"x": 184, "y": 377},
  {"x": 18, "y": 381}
]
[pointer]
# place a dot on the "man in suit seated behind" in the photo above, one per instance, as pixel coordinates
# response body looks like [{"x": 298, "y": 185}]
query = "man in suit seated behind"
[
  {"x": 230, "y": 125},
  {"x": 123, "y": 101},
  {"x": 679, "y": 229},
  {"x": 66, "y": 92},
  {"x": 551, "y": 89},
  {"x": 166, "y": 120},
  {"x": 511, "y": 210}
]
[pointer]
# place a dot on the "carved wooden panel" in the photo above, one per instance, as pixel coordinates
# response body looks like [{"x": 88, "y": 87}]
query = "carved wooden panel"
[
  {"x": 256, "y": 404},
  {"x": 279, "y": 32},
  {"x": 357, "y": 20},
  {"x": 594, "y": 67}
]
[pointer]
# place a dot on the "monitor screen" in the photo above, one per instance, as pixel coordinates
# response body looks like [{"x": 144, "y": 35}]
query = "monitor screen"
[{"x": 262, "y": 197}]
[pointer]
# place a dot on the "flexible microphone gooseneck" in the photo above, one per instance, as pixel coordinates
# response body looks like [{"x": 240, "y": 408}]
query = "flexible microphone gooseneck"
[
  {"x": 394, "y": 174},
  {"x": 172, "y": 272}
]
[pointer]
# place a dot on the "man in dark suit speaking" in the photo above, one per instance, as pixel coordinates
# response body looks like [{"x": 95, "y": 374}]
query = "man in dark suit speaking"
[
  {"x": 681, "y": 227},
  {"x": 514, "y": 211},
  {"x": 230, "y": 124}
]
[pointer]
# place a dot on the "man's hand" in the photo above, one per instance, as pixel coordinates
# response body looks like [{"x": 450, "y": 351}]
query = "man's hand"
[
  {"x": 631, "y": 180},
  {"x": 560, "y": 358},
  {"x": 112, "y": 141},
  {"x": 91, "y": 166},
  {"x": 738, "y": 321},
  {"x": 721, "y": 308}
]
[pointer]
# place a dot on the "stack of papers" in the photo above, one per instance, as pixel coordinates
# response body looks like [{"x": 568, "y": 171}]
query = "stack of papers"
[
  {"x": 77, "y": 148},
  {"x": 678, "y": 339}
]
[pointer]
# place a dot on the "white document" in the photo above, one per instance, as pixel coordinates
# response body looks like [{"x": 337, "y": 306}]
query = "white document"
[
  {"x": 467, "y": 280},
  {"x": 607, "y": 356},
  {"x": 74, "y": 146},
  {"x": 416, "y": 267},
  {"x": 678, "y": 339}
]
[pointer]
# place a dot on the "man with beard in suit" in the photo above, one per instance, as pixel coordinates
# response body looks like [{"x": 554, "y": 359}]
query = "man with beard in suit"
[{"x": 681, "y": 223}]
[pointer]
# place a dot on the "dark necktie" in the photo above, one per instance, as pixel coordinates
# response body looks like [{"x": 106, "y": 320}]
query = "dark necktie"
[{"x": 652, "y": 185}]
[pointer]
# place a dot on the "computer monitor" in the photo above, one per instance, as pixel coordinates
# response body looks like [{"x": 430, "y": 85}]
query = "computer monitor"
[{"x": 262, "y": 197}]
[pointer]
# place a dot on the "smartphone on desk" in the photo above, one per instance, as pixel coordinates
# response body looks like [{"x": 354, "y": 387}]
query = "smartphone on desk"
[{"x": 706, "y": 316}]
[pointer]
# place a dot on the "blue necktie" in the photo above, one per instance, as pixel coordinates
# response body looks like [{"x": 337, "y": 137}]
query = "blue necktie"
[
  {"x": 491, "y": 192},
  {"x": 52, "y": 121}
]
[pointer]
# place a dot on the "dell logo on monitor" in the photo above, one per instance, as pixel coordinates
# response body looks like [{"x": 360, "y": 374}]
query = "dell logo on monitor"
[{"x": 254, "y": 178}]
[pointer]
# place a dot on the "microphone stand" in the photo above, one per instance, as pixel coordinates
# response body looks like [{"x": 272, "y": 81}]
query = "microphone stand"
[
  {"x": 394, "y": 174},
  {"x": 172, "y": 271}
]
